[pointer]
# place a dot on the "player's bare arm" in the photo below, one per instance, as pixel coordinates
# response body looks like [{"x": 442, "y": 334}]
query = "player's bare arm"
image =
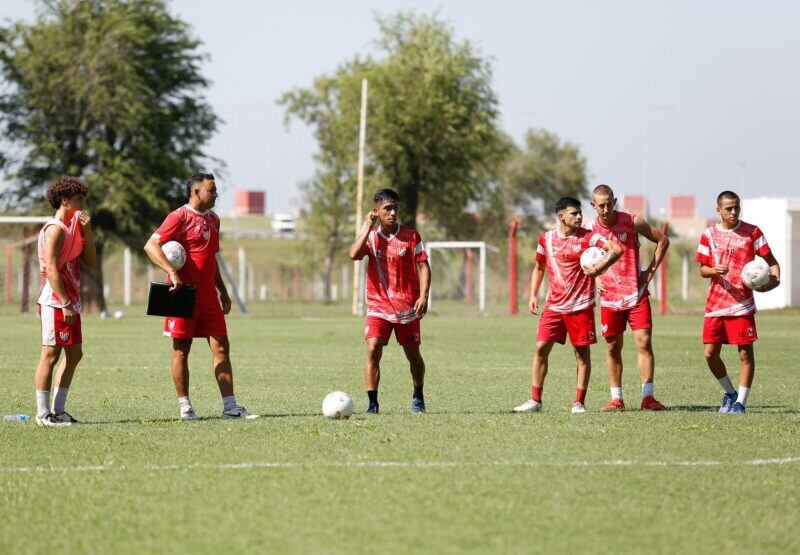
[
  {"x": 89, "y": 253},
  {"x": 156, "y": 255},
  {"x": 359, "y": 248},
  {"x": 536, "y": 283},
  {"x": 54, "y": 240},
  {"x": 661, "y": 240},
  {"x": 613, "y": 252},
  {"x": 421, "y": 305},
  {"x": 224, "y": 297},
  {"x": 774, "y": 274}
]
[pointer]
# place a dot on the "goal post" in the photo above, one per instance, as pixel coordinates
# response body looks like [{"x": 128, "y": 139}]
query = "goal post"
[{"x": 481, "y": 246}]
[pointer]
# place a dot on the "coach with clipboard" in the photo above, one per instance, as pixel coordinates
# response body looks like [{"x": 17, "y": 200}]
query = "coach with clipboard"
[{"x": 195, "y": 301}]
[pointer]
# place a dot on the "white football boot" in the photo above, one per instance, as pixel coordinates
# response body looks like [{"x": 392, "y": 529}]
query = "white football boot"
[
  {"x": 238, "y": 412},
  {"x": 50, "y": 420},
  {"x": 65, "y": 418},
  {"x": 189, "y": 415},
  {"x": 529, "y": 406},
  {"x": 578, "y": 408}
]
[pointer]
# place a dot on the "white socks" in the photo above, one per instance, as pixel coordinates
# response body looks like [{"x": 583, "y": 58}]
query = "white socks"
[
  {"x": 616, "y": 393},
  {"x": 185, "y": 403},
  {"x": 229, "y": 403},
  {"x": 647, "y": 390},
  {"x": 743, "y": 393},
  {"x": 726, "y": 384},
  {"x": 60, "y": 399},
  {"x": 42, "y": 403}
]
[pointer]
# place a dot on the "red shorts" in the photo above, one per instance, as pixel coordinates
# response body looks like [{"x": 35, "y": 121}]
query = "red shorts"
[
  {"x": 406, "y": 334},
  {"x": 733, "y": 330},
  {"x": 613, "y": 322},
  {"x": 56, "y": 332},
  {"x": 554, "y": 326},
  {"x": 208, "y": 321}
]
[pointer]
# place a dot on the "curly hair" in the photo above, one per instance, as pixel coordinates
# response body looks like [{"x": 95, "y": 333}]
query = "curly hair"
[{"x": 65, "y": 187}]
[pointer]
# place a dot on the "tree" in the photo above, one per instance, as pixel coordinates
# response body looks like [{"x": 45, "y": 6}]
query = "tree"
[
  {"x": 433, "y": 119},
  {"x": 331, "y": 107},
  {"x": 534, "y": 177},
  {"x": 107, "y": 90}
]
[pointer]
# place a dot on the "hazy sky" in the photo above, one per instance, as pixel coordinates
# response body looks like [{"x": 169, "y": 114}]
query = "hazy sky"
[{"x": 728, "y": 73}]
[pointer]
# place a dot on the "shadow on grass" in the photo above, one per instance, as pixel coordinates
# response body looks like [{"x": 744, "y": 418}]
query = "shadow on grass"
[
  {"x": 758, "y": 409},
  {"x": 188, "y": 423}
]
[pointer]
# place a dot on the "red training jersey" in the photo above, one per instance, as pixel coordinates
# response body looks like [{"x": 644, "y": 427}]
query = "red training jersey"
[
  {"x": 733, "y": 248},
  {"x": 198, "y": 232},
  {"x": 69, "y": 267},
  {"x": 621, "y": 281},
  {"x": 570, "y": 289},
  {"x": 392, "y": 276}
]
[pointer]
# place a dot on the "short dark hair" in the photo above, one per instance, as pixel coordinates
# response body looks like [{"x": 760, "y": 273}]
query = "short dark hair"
[
  {"x": 386, "y": 195},
  {"x": 604, "y": 190},
  {"x": 727, "y": 195},
  {"x": 197, "y": 178},
  {"x": 65, "y": 186},
  {"x": 566, "y": 202}
]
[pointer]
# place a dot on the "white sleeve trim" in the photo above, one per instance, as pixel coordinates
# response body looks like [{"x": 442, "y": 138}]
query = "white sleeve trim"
[
  {"x": 540, "y": 249},
  {"x": 419, "y": 248},
  {"x": 760, "y": 242},
  {"x": 595, "y": 238},
  {"x": 702, "y": 249}
]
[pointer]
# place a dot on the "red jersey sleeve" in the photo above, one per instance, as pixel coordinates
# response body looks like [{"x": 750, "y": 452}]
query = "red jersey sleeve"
[
  {"x": 170, "y": 227},
  {"x": 541, "y": 251},
  {"x": 760, "y": 243},
  {"x": 420, "y": 255},
  {"x": 704, "y": 252},
  {"x": 595, "y": 240}
]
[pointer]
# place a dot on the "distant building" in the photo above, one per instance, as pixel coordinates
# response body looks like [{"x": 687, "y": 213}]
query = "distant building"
[
  {"x": 682, "y": 216},
  {"x": 250, "y": 203},
  {"x": 633, "y": 204}
]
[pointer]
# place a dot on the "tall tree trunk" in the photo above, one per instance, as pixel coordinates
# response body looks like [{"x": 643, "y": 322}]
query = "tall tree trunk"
[
  {"x": 92, "y": 283},
  {"x": 327, "y": 272},
  {"x": 409, "y": 197}
]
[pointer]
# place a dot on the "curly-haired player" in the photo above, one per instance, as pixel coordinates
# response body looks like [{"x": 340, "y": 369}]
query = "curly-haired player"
[{"x": 64, "y": 241}]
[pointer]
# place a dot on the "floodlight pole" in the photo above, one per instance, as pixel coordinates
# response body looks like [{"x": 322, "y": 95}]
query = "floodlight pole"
[
  {"x": 358, "y": 299},
  {"x": 512, "y": 267}
]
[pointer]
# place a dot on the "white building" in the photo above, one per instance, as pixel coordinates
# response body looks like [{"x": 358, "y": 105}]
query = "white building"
[{"x": 779, "y": 219}]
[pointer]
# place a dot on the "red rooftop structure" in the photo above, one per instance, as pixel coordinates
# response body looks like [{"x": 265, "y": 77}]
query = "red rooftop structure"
[{"x": 250, "y": 203}]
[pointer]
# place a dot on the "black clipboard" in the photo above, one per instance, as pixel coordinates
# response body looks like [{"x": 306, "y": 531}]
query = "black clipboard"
[{"x": 161, "y": 302}]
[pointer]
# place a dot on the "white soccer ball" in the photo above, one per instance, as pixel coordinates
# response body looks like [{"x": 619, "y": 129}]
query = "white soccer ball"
[
  {"x": 175, "y": 254},
  {"x": 337, "y": 405},
  {"x": 591, "y": 257},
  {"x": 755, "y": 274},
  {"x": 118, "y": 314}
]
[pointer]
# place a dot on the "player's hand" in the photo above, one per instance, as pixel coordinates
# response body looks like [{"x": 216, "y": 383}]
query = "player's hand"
[
  {"x": 645, "y": 277},
  {"x": 599, "y": 286},
  {"x": 176, "y": 281},
  {"x": 720, "y": 270},
  {"x": 769, "y": 286},
  {"x": 592, "y": 271},
  {"x": 533, "y": 305},
  {"x": 69, "y": 314},
  {"x": 421, "y": 307},
  {"x": 85, "y": 220},
  {"x": 225, "y": 299},
  {"x": 371, "y": 218}
]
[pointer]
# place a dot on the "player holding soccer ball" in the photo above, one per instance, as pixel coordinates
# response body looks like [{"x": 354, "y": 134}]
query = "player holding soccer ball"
[
  {"x": 623, "y": 294},
  {"x": 730, "y": 307},
  {"x": 398, "y": 283},
  {"x": 570, "y": 298},
  {"x": 196, "y": 227},
  {"x": 64, "y": 242}
]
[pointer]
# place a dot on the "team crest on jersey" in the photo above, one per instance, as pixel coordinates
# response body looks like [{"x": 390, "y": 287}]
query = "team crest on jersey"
[
  {"x": 401, "y": 252},
  {"x": 623, "y": 236},
  {"x": 576, "y": 248},
  {"x": 64, "y": 335}
]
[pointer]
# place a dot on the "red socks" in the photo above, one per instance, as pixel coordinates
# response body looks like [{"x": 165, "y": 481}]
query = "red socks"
[
  {"x": 536, "y": 393},
  {"x": 580, "y": 395}
]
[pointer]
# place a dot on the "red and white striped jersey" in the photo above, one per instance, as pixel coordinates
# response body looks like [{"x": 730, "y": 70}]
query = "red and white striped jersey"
[
  {"x": 69, "y": 267},
  {"x": 621, "y": 281},
  {"x": 392, "y": 277},
  {"x": 733, "y": 248},
  {"x": 570, "y": 289}
]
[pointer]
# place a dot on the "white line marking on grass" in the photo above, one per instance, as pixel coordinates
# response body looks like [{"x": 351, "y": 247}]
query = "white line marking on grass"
[{"x": 390, "y": 464}]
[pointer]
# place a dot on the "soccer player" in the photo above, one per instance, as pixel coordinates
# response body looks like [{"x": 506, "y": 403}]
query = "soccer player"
[
  {"x": 624, "y": 298},
  {"x": 398, "y": 283},
  {"x": 730, "y": 308},
  {"x": 196, "y": 227},
  {"x": 64, "y": 241},
  {"x": 570, "y": 298}
]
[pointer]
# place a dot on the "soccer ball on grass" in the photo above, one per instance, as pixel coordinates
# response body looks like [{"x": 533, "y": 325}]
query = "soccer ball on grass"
[{"x": 337, "y": 405}]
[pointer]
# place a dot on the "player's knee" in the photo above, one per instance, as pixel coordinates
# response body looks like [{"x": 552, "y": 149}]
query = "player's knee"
[
  {"x": 710, "y": 353},
  {"x": 50, "y": 356},
  {"x": 75, "y": 354},
  {"x": 374, "y": 349},
  {"x": 614, "y": 347}
]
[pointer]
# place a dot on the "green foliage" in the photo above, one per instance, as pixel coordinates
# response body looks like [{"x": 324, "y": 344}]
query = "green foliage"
[{"x": 107, "y": 90}]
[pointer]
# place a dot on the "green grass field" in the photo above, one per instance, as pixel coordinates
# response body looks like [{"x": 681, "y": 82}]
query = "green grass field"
[{"x": 468, "y": 477}]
